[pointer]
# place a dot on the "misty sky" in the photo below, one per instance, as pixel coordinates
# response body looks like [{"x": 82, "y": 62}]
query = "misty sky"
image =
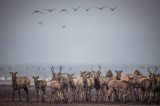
[{"x": 128, "y": 35}]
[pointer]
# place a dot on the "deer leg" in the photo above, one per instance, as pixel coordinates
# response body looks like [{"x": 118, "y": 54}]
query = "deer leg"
[
  {"x": 66, "y": 95},
  {"x": 112, "y": 96},
  {"x": 102, "y": 93},
  {"x": 90, "y": 94},
  {"x": 13, "y": 95},
  {"x": 44, "y": 94},
  {"x": 51, "y": 96},
  {"x": 97, "y": 91},
  {"x": 73, "y": 96},
  {"x": 124, "y": 96},
  {"x": 27, "y": 90},
  {"x": 19, "y": 94},
  {"x": 75, "y": 93},
  {"x": 78, "y": 94},
  {"x": 37, "y": 94}
]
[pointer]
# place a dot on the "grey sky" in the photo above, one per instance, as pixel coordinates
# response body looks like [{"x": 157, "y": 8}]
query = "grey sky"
[{"x": 130, "y": 34}]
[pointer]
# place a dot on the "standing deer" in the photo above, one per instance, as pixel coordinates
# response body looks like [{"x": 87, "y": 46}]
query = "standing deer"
[
  {"x": 56, "y": 88},
  {"x": 40, "y": 85},
  {"x": 66, "y": 84},
  {"x": 96, "y": 81},
  {"x": 147, "y": 85},
  {"x": 77, "y": 86},
  {"x": 121, "y": 86},
  {"x": 19, "y": 83}
]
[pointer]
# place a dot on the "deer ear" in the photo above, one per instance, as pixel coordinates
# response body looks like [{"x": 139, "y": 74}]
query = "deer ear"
[
  {"x": 10, "y": 72},
  {"x": 16, "y": 73}
]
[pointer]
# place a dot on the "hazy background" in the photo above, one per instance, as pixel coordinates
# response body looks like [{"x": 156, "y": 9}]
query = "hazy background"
[{"x": 128, "y": 35}]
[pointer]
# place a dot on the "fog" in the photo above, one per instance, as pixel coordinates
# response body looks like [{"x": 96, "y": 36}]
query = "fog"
[{"x": 128, "y": 35}]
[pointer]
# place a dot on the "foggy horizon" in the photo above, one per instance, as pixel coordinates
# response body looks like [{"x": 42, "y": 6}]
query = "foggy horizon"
[{"x": 128, "y": 35}]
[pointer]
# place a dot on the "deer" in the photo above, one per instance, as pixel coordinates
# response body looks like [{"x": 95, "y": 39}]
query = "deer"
[
  {"x": 40, "y": 85},
  {"x": 136, "y": 82},
  {"x": 147, "y": 86},
  {"x": 20, "y": 83},
  {"x": 56, "y": 88},
  {"x": 96, "y": 74},
  {"x": 109, "y": 73},
  {"x": 65, "y": 90},
  {"x": 121, "y": 86},
  {"x": 77, "y": 86}
]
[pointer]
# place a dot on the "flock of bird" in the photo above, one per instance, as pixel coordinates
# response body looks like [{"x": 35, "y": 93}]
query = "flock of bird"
[{"x": 73, "y": 8}]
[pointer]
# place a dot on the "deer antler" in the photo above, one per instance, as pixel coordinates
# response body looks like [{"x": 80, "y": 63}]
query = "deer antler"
[
  {"x": 60, "y": 68},
  {"x": 155, "y": 70},
  {"x": 92, "y": 67},
  {"x": 52, "y": 69},
  {"x": 149, "y": 71},
  {"x": 99, "y": 67}
]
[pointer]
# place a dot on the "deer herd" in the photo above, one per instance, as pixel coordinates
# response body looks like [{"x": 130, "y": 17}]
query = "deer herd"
[{"x": 108, "y": 87}]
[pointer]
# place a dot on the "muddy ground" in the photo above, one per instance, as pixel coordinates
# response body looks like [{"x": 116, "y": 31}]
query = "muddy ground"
[{"x": 6, "y": 99}]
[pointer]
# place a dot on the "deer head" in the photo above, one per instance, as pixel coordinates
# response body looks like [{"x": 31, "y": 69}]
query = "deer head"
[
  {"x": 118, "y": 77},
  {"x": 13, "y": 75},
  {"x": 96, "y": 73},
  {"x": 35, "y": 78}
]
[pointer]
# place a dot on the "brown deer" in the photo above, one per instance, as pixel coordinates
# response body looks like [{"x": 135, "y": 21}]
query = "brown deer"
[
  {"x": 40, "y": 85},
  {"x": 56, "y": 88},
  {"x": 96, "y": 81},
  {"x": 77, "y": 86},
  {"x": 66, "y": 84},
  {"x": 109, "y": 73},
  {"x": 19, "y": 83},
  {"x": 90, "y": 85},
  {"x": 147, "y": 85},
  {"x": 121, "y": 86},
  {"x": 136, "y": 82}
]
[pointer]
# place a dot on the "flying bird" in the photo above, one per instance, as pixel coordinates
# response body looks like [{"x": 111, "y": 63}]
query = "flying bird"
[
  {"x": 100, "y": 8},
  {"x": 64, "y": 26},
  {"x": 87, "y": 9},
  {"x": 112, "y": 9},
  {"x": 75, "y": 9},
  {"x": 63, "y": 10},
  {"x": 37, "y": 11},
  {"x": 41, "y": 23},
  {"x": 50, "y": 10}
]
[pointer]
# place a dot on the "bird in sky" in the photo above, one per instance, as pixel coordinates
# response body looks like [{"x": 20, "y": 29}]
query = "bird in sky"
[
  {"x": 75, "y": 9},
  {"x": 41, "y": 23},
  {"x": 64, "y": 10},
  {"x": 50, "y": 10},
  {"x": 37, "y": 11},
  {"x": 100, "y": 8},
  {"x": 87, "y": 9},
  {"x": 64, "y": 26},
  {"x": 112, "y": 9}
]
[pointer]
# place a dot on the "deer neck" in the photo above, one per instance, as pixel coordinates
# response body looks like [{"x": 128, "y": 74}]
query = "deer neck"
[{"x": 14, "y": 80}]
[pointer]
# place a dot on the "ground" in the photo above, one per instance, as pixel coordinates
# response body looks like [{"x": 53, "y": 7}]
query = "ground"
[{"x": 6, "y": 99}]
